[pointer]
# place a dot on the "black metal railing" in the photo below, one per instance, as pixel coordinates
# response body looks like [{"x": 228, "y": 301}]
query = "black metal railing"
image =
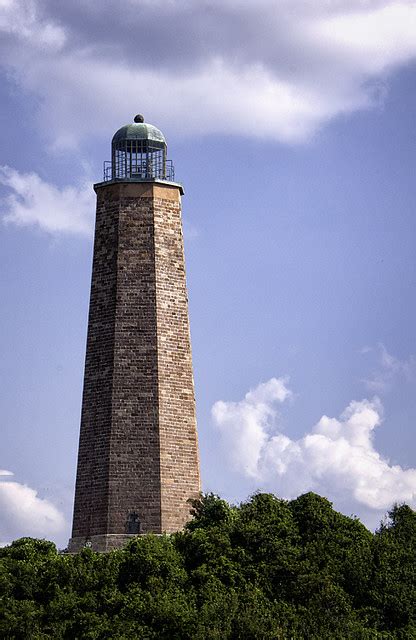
[{"x": 139, "y": 170}]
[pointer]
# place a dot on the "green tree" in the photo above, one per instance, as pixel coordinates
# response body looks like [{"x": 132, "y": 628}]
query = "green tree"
[{"x": 267, "y": 569}]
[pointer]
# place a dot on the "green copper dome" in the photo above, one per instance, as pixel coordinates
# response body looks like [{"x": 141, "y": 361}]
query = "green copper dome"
[
  {"x": 139, "y": 130},
  {"x": 139, "y": 154}
]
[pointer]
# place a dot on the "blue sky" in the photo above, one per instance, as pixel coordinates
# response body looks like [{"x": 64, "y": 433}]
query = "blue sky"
[{"x": 292, "y": 128}]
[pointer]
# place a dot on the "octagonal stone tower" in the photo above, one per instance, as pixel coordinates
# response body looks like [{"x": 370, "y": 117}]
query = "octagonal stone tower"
[{"x": 138, "y": 452}]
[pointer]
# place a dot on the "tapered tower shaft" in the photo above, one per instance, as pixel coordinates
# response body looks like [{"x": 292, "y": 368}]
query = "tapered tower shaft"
[{"x": 138, "y": 454}]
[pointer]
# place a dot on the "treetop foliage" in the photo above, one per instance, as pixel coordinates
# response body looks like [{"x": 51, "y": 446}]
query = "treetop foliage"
[{"x": 268, "y": 569}]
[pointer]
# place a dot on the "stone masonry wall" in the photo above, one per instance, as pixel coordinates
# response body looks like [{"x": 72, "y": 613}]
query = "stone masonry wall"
[
  {"x": 91, "y": 496},
  {"x": 138, "y": 444},
  {"x": 179, "y": 464},
  {"x": 134, "y": 478}
]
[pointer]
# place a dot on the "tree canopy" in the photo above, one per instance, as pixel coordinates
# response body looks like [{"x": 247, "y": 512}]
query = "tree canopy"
[{"x": 266, "y": 569}]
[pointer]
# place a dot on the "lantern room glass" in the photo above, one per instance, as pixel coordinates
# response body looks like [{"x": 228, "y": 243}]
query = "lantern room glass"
[
  {"x": 139, "y": 153},
  {"x": 138, "y": 159}
]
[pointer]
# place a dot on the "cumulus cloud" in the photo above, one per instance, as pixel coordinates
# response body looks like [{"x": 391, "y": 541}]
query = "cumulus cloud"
[
  {"x": 33, "y": 201},
  {"x": 260, "y": 69},
  {"x": 336, "y": 458},
  {"x": 24, "y": 513},
  {"x": 244, "y": 425}
]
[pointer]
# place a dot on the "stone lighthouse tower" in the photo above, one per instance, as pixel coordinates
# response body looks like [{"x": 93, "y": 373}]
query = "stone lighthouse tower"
[{"x": 138, "y": 453}]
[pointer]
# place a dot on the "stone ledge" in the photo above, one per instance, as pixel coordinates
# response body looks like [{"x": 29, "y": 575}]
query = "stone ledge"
[{"x": 104, "y": 542}]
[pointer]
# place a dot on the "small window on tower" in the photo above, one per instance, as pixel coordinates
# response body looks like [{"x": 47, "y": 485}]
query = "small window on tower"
[{"x": 133, "y": 523}]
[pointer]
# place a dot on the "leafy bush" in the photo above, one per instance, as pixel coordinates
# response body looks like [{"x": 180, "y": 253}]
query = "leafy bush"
[{"x": 268, "y": 569}]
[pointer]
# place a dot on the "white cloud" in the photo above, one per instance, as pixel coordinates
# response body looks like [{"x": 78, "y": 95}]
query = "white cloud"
[
  {"x": 20, "y": 18},
  {"x": 373, "y": 37},
  {"x": 267, "y": 70},
  {"x": 52, "y": 209},
  {"x": 23, "y": 513},
  {"x": 244, "y": 425},
  {"x": 3, "y": 472},
  {"x": 337, "y": 458},
  {"x": 388, "y": 370}
]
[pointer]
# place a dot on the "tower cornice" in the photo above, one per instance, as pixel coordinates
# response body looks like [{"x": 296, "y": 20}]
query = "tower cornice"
[{"x": 155, "y": 181}]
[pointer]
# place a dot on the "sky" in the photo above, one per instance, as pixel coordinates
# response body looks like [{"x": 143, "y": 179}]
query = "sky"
[{"x": 291, "y": 124}]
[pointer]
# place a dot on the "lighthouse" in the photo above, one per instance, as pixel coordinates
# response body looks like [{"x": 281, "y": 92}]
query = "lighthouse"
[{"x": 138, "y": 464}]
